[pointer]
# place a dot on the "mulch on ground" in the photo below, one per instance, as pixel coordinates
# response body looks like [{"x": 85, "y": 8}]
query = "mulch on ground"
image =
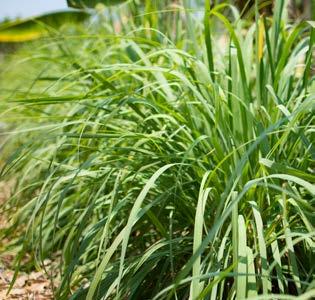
[{"x": 34, "y": 285}]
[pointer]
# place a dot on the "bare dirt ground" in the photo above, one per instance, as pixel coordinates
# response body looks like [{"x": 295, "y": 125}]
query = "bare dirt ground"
[{"x": 35, "y": 285}]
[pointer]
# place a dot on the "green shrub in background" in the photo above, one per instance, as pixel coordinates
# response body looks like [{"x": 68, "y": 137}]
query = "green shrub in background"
[{"x": 167, "y": 163}]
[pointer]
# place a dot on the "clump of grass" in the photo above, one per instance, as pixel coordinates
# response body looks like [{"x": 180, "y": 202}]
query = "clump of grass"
[{"x": 162, "y": 170}]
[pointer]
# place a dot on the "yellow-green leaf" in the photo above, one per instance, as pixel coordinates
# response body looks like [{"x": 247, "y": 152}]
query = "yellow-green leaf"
[{"x": 36, "y": 27}]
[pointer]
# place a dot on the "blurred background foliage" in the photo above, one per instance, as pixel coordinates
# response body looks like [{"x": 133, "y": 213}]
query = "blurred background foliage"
[{"x": 39, "y": 26}]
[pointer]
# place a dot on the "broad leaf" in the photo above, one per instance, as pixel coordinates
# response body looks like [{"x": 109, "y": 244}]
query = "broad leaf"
[
  {"x": 92, "y": 3},
  {"x": 34, "y": 28}
]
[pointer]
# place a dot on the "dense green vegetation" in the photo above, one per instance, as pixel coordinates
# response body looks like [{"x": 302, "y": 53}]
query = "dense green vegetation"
[{"x": 165, "y": 156}]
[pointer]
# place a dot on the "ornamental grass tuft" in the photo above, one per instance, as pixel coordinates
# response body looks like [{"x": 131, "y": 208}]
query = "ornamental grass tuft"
[{"x": 165, "y": 156}]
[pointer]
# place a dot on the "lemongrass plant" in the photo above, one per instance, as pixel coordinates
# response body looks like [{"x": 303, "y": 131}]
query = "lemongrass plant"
[{"x": 165, "y": 163}]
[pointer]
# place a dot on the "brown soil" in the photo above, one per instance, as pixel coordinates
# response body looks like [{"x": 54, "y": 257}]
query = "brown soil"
[{"x": 35, "y": 285}]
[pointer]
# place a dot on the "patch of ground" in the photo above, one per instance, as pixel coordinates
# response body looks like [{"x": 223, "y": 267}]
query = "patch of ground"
[{"x": 35, "y": 285}]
